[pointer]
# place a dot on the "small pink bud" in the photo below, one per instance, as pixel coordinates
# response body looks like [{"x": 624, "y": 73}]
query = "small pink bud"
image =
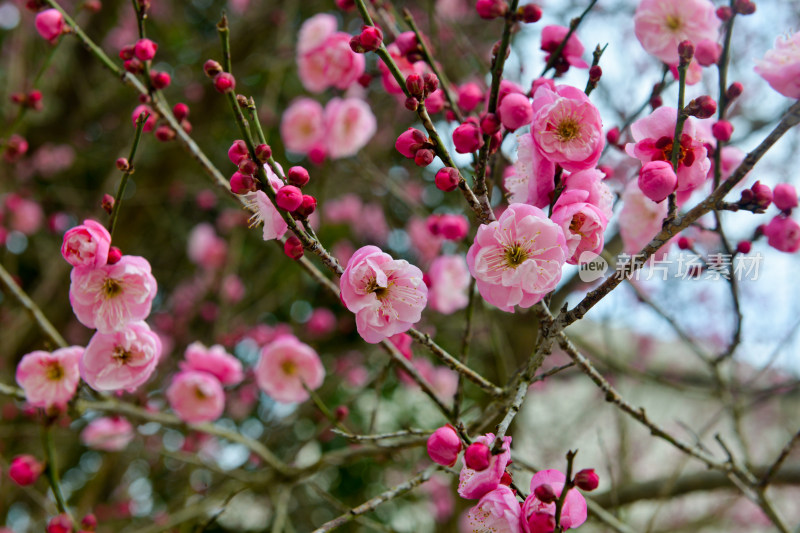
[
  {"x": 431, "y": 82},
  {"x": 761, "y": 194},
  {"x": 356, "y": 46},
  {"x": 49, "y": 24},
  {"x": 531, "y": 13},
  {"x": 685, "y": 51},
  {"x": 224, "y": 82},
  {"x": 126, "y": 52},
  {"x": 424, "y": 157},
  {"x": 165, "y": 133},
  {"x": 89, "y": 522},
  {"x": 612, "y": 136},
  {"x": 410, "y": 141},
  {"x": 444, "y": 446},
  {"x": 160, "y": 80},
  {"x": 744, "y": 7},
  {"x": 181, "y": 111},
  {"x": 744, "y": 247},
  {"x": 734, "y": 91},
  {"x": 469, "y": 96},
  {"x": 657, "y": 180},
  {"x": 145, "y": 49},
  {"x": 297, "y": 176},
  {"x": 107, "y": 203},
  {"x": 364, "y": 80},
  {"x": 467, "y": 138},
  {"x": 490, "y": 124},
  {"x": 707, "y": 52},
  {"x": 114, "y": 255},
  {"x": 415, "y": 85},
  {"x": 701, "y": 107},
  {"x": 346, "y": 5},
  {"x": 411, "y": 103},
  {"x": 724, "y": 13},
  {"x": 587, "y": 479},
  {"x": 133, "y": 65},
  {"x": 289, "y": 198},
  {"x": 407, "y": 42},
  {"x": 212, "y": 68},
  {"x": 515, "y": 111},
  {"x": 341, "y": 412},
  {"x": 506, "y": 478},
  {"x": 595, "y": 73},
  {"x": 241, "y": 184},
  {"x": 684, "y": 243},
  {"x": 293, "y": 248},
  {"x": 247, "y": 167},
  {"x": 545, "y": 493},
  {"x": 60, "y": 524},
  {"x": 447, "y": 179},
  {"x": 491, "y": 9},
  {"x": 16, "y": 147},
  {"x": 308, "y": 206},
  {"x": 371, "y": 38},
  {"x": 477, "y": 456},
  {"x": 238, "y": 151},
  {"x": 263, "y": 152},
  {"x": 452, "y": 227},
  {"x": 123, "y": 165},
  {"x": 25, "y": 470},
  {"x": 784, "y": 196},
  {"x": 722, "y": 130}
]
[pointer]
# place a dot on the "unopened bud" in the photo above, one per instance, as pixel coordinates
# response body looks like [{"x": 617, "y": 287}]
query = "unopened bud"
[
  {"x": 424, "y": 157},
  {"x": 734, "y": 91},
  {"x": 114, "y": 255},
  {"x": 415, "y": 85},
  {"x": 545, "y": 493},
  {"x": 263, "y": 152},
  {"x": 212, "y": 68},
  {"x": 297, "y": 176},
  {"x": 411, "y": 103},
  {"x": 123, "y": 165},
  {"x": 107, "y": 203},
  {"x": 224, "y": 82},
  {"x": 181, "y": 111},
  {"x": 724, "y": 13},
  {"x": 341, "y": 412},
  {"x": 685, "y": 51},
  {"x": 477, "y": 456},
  {"x": 431, "y": 82},
  {"x": 701, "y": 107},
  {"x": 293, "y": 248},
  {"x": 371, "y": 38},
  {"x": 587, "y": 479},
  {"x": 308, "y": 206},
  {"x": 247, "y": 166},
  {"x": 744, "y": 7},
  {"x": 447, "y": 179},
  {"x": 595, "y": 72},
  {"x": 530, "y": 13}
]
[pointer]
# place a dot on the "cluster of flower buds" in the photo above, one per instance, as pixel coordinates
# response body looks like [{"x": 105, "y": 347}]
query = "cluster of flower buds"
[
  {"x": 756, "y": 199},
  {"x": 369, "y": 40},
  {"x": 491, "y": 9},
  {"x": 701, "y": 107},
  {"x": 224, "y": 82},
  {"x": 415, "y": 145},
  {"x": 419, "y": 87},
  {"x": 32, "y": 100},
  {"x": 529, "y": 13},
  {"x": 134, "y": 56}
]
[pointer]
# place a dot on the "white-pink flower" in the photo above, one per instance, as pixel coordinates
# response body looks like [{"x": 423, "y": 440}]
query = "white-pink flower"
[
  {"x": 86, "y": 245},
  {"x": 109, "y": 434},
  {"x": 120, "y": 360},
  {"x": 497, "y": 512},
  {"x": 196, "y": 396},
  {"x": 205, "y": 248},
  {"x": 303, "y": 125},
  {"x": 517, "y": 259},
  {"x": 349, "y": 125},
  {"x": 583, "y": 224},
  {"x": 780, "y": 66},
  {"x": 567, "y": 128},
  {"x": 594, "y": 189},
  {"x": 449, "y": 281},
  {"x": 286, "y": 367},
  {"x": 640, "y": 218},
  {"x": 387, "y": 295},
  {"x": 264, "y": 212},
  {"x": 324, "y": 57},
  {"x": 533, "y": 178},
  {"x": 50, "y": 379},
  {"x": 573, "y": 514},
  {"x": 109, "y": 297},
  {"x": 661, "y": 24},
  {"x": 215, "y": 360}
]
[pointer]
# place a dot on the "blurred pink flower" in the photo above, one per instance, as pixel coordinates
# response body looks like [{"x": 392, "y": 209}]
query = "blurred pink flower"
[
  {"x": 324, "y": 57},
  {"x": 449, "y": 280},
  {"x": 349, "y": 126},
  {"x": 783, "y": 234},
  {"x": 640, "y": 218},
  {"x": 50, "y": 379},
  {"x": 517, "y": 259},
  {"x": 473, "y": 484},
  {"x": 533, "y": 178},
  {"x": 196, "y": 396},
  {"x": 285, "y": 366},
  {"x": 109, "y": 434},
  {"x": 49, "y": 23},
  {"x": 552, "y": 36},
  {"x": 780, "y": 66},
  {"x": 214, "y": 360},
  {"x": 303, "y": 125},
  {"x": 26, "y": 216},
  {"x": 387, "y": 295},
  {"x": 497, "y": 511},
  {"x": 123, "y": 359},
  {"x": 205, "y": 248},
  {"x": 661, "y": 24},
  {"x": 321, "y": 322},
  {"x": 86, "y": 245},
  {"x": 425, "y": 245},
  {"x": 572, "y": 515}
]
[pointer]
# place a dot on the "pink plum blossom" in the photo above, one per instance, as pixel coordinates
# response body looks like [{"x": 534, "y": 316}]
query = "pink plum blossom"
[
  {"x": 196, "y": 396},
  {"x": 49, "y": 23},
  {"x": 86, "y": 245},
  {"x": 349, "y": 125},
  {"x": 591, "y": 183},
  {"x": 109, "y": 434},
  {"x": 583, "y": 225},
  {"x": 533, "y": 178},
  {"x": 50, "y": 379},
  {"x": 661, "y": 24},
  {"x": 552, "y": 36},
  {"x": 497, "y": 511},
  {"x": 780, "y": 66},
  {"x": 205, "y": 248},
  {"x": 124, "y": 359},
  {"x": 640, "y": 219},
  {"x": 444, "y": 445},
  {"x": 473, "y": 484},
  {"x": 264, "y": 212},
  {"x": 449, "y": 281},
  {"x": 573, "y": 513},
  {"x": 566, "y": 127},
  {"x": 783, "y": 234},
  {"x": 303, "y": 125},
  {"x": 286, "y": 367},
  {"x": 406, "y": 68},
  {"x": 215, "y": 360},
  {"x": 111, "y": 296},
  {"x": 517, "y": 259},
  {"x": 653, "y": 136},
  {"x": 324, "y": 57},
  {"x": 26, "y": 216},
  {"x": 425, "y": 244},
  {"x": 387, "y": 295}
]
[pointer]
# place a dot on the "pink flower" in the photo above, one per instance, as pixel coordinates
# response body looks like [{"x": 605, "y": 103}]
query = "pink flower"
[
  {"x": 196, "y": 396},
  {"x": 552, "y": 36},
  {"x": 265, "y": 212},
  {"x": 324, "y": 57},
  {"x": 596, "y": 191},
  {"x": 349, "y": 126},
  {"x": 215, "y": 360},
  {"x": 583, "y": 225},
  {"x": 781, "y": 66},
  {"x": 387, "y": 295},
  {"x": 533, "y": 178},
  {"x": 123, "y": 359},
  {"x": 50, "y": 379},
  {"x": 640, "y": 219},
  {"x": 517, "y": 259},
  {"x": 515, "y": 111},
  {"x": 444, "y": 445},
  {"x": 498, "y": 511},
  {"x": 406, "y": 68},
  {"x": 653, "y": 136},
  {"x": 205, "y": 248},
  {"x": 86, "y": 245},
  {"x": 449, "y": 280},
  {"x": 111, "y": 296},
  {"x": 567, "y": 128},
  {"x": 783, "y": 234},
  {"x": 303, "y": 125},
  {"x": 314, "y": 31},
  {"x": 573, "y": 513},
  {"x": 425, "y": 244},
  {"x": 109, "y": 434},
  {"x": 657, "y": 180},
  {"x": 285, "y": 366},
  {"x": 473, "y": 484},
  {"x": 25, "y": 470},
  {"x": 50, "y": 24},
  {"x": 321, "y": 322},
  {"x": 26, "y": 215},
  {"x": 661, "y": 24}
]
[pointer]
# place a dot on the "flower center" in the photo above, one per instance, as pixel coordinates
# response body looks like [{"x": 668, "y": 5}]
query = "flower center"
[
  {"x": 288, "y": 368},
  {"x": 121, "y": 354},
  {"x": 577, "y": 223},
  {"x": 568, "y": 129},
  {"x": 674, "y": 22},
  {"x": 380, "y": 292},
  {"x": 54, "y": 371},
  {"x": 199, "y": 394},
  {"x": 515, "y": 255},
  {"x": 112, "y": 287},
  {"x": 685, "y": 154}
]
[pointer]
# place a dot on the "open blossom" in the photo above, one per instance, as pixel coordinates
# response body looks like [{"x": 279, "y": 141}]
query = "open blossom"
[
  {"x": 592, "y": 189},
  {"x": 567, "y": 128},
  {"x": 265, "y": 212},
  {"x": 583, "y": 224},
  {"x": 196, "y": 396},
  {"x": 50, "y": 379},
  {"x": 287, "y": 365},
  {"x": 111, "y": 296},
  {"x": 661, "y": 24},
  {"x": 324, "y": 57},
  {"x": 86, "y": 245},
  {"x": 349, "y": 125},
  {"x": 640, "y": 218},
  {"x": 552, "y": 36},
  {"x": 653, "y": 136},
  {"x": 303, "y": 125},
  {"x": 215, "y": 360},
  {"x": 497, "y": 512},
  {"x": 108, "y": 433},
  {"x": 205, "y": 248},
  {"x": 387, "y": 295},
  {"x": 449, "y": 281},
  {"x": 780, "y": 66},
  {"x": 573, "y": 513},
  {"x": 473, "y": 484},
  {"x": 533, "y": 178},
  {"x": 517, "y": 259},
  {"x": 123, "y": 359}
]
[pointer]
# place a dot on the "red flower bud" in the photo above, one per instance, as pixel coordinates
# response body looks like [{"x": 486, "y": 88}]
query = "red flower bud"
[
  {"x": 107, "y": 203},
  {"x": 160, "y": 80},
  {"x": 491, "y": 9},
  {"x": 587, "y": 479},
  {"x": 288, "y": 198},
  {"x": 25, "y": 470},
  {"x": 722, "y": 130},
  {"x": 308, "y": 206},
  {"x": 181, "y": 111},
  {"x": 477, "y": 456},
  {"x": 224, "y": 82},
  {"x": 447, "y": 179},
  {"x": 415, "y": 85},
  {"x": 263, "y": 152},
  {"x": 293, "y": 248},
  {"x": 424, "y": 157},
  {"x": 744, "y": 247},
  {"x": 297, "y": 176},
  {"x": 145, "y": 49},
  {"x": 530, "y": 13},
  {"x": 212, "y": 68},
  {"x": 371, "y": 38},
  {"x": 545, "y": 493},
  {"x": 114, "y": 255}
]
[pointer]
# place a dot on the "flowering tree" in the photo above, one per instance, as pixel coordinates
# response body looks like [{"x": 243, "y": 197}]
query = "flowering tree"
[{"x": 176, "y": 371}]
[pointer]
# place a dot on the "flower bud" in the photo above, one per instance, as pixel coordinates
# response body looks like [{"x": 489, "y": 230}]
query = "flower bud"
[
  {"x": 242, "y": 184},
  {"x": 345, "y": 5},
  {"x": 341, "y": 412},
  {"x": 25, "y": 470},
  {"x": 724, "y": 13},
  {"x": 126, "y": 52},
  {"x": 247, "y": 167},
  {"x": 467, "y": 138},
  {"x": 530, "y": 13},
  {"x": 734, "y": 91},
  {"x": 237, "y": 152},
  {"x": 707, "y": 52},
  {"x": 685, "y": 52},
  {"x": 145, "y": 49},
  {"x": 684, "y": 243},
  {"x": 431, "y": 82},
  {"x": 657, "y": 180},
  {"x": 744, "y": 7},
  {"x": 595, "y": 73},
  {"x": 469, "y": 96},
  {"x": 371, "y": 38},
  {"x": 410, "y": 141},
  {"x": 107, "y": 203},
  {"x": 165, "y": 133},
  {"x": 297, "y": 176},
  {"x": 477, "y": 456},
  {"x": 761, "y": 193},
  {"x": 50, "y": 24},
  {"x": 506, "y": 479},
  {"x": 263, "y": 152},
  {"x": 60, "y": 524},
  {"x": 288, "y": 198},
  {"x": 424, "y": 157},
  {"x": 114, "y": 255},
  {"x": 444, "y": 446},
  {"x": 490, "y": 124},
  {"x": 784, "y": 196},
  {"x": 224, "y": 82},
  {"x": 123, "y": 165},
  {"x": 612, "y": 135},
  {"x": 415, "y": 85},
  {"x": 308, "y": 206},
  {"x": 133, "y": 65},
  {"x": 181, "y": 111},
  {"x": 160, "y": 80},
  {"x": 407, "y": 42},
  {"x": 701, "y": 107},
  {"x": 447, "y": 179},
  {"x": 783, "y": 234},
  {"x": 491, "y": 9},
  {"x": 356, "y": 46},
  {"x": 722, "y": 130},
  {"x": 452, "y": 227},
  {"x": 744, "y": 247},
  {"x": 89, "y": 522},
  {"x": 545, "y": 493},
  {"x": 411, "y": 103},
  {"x": 212, "y": 68},
  {"x": 587, "y": 479},
  {"x": 364, "y": 80},
  {"x": 293, "y": 248},
  {"x": 16, "y": 147},
  {"x": 515, "y": 111}
]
